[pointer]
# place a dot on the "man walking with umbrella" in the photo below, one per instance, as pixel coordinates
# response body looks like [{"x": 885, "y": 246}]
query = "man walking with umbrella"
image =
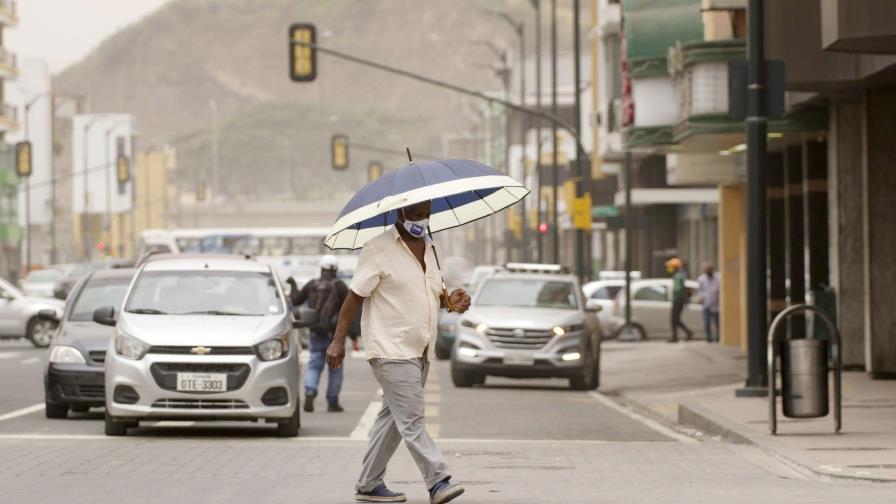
[{"x": 399, "y": 283}]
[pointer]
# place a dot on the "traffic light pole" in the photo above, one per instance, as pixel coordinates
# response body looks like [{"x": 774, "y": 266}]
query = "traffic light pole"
[{"x": 554, "y": 119}]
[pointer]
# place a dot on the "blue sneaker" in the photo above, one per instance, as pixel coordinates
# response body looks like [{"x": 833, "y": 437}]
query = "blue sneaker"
[
  {"x": 445, "y": 491},
  {"x": 380, "y": 494}
]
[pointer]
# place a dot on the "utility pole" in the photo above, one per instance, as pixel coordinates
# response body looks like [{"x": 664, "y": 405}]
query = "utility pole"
[
  {"x": 757, "y": 128},
  {"x": 538, "y": 220},
  {"x": 213, "y": 105},
  {"x": 583, "y": 177},
  {"x": 555, "y": 221},
  {"x": 85, "y": 229}
]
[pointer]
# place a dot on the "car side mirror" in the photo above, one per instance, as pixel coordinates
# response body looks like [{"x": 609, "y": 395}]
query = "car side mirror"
[
  {"x": 104, "y": 315},
  {"x": 59, "y": 293},
  {"x": 593, "y": 305},
  {"x": 48, "y": 315},
  {"x": 304, "y": 317}
]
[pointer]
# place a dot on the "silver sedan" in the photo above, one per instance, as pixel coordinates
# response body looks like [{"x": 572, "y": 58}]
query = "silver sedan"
[{"x": 19, "y": 315}]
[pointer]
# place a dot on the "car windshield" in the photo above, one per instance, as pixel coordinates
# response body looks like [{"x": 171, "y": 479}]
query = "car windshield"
[
  {"x": 205, "y": 293},
  {"x": 528, "y": 293},
  {"x": 97, "y": 293},
  {"x": 48, "y": 275}
]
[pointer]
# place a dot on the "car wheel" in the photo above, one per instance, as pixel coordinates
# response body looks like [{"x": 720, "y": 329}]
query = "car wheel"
[
  {"x": 40, "y": 332},
  {"x": 442, "y": 353},
  {"x": 588, "y": 379},
  {"x": 290, "y": 428},
  {"x": 479, "y": 379},
  {"x": 638, "y": 333},
  {"x": 115, "y": 427},
  {"x": 461, "y": 378},
  {"x": 53, "y": 410}
]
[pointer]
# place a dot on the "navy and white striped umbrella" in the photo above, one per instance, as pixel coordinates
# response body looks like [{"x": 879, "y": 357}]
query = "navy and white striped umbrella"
[{"x": 461, "y": 191}]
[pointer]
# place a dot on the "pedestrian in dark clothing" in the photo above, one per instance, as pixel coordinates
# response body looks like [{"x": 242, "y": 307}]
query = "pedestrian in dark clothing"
[
  {"x": 709, "y": 291},
  {"x": 326, "y": 295},
  {"x": 679, "y": 298}
]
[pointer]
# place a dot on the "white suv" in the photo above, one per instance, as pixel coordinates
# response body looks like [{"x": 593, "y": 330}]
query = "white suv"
[{"x": 203, "y": 338}]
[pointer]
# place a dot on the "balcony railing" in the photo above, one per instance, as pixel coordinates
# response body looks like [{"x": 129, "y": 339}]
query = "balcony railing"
[
  {"x": 8, "y": 62},
  {"x": 9, "y": 118}
]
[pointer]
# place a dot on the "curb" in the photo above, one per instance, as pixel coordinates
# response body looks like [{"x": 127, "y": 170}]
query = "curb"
[{"x": 699, "y": 417}]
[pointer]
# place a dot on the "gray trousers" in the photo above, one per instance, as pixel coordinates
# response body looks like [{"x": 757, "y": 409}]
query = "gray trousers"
[{"x": 402, "y": 418}]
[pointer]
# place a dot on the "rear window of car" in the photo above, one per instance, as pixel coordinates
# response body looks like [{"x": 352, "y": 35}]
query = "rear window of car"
[{"x": 652, "y": 293}]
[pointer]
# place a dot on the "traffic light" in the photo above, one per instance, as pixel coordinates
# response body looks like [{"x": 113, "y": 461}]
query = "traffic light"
[
  {"x": 123, "y": 169},
  {"x": 374, "y": 170},
  {"x": 339, "y": 152},
  {"x": 543, "y": 228},
  {"x": 200, "y": 192},
  {"x": 302, "y": 59},
  {"x": 23, "y": 159}
]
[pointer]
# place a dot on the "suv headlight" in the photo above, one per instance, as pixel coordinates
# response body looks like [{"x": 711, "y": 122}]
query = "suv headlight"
[
  {"x": 130, "y": 347},
  {"x": 568, "y": 328},
  {"x": 480, "y": 328},
  {"x": 273, "y": 349},
  {"x": 66, "y": 355}
]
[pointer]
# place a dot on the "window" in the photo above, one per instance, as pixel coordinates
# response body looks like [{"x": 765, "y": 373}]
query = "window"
[
  {"x": 527, "y": 293},
  {"x": 652, "y": 293},
  {"x": 206, "y": 292},
  {"x": 98, "y": 293},
  {"x": 608, "y": 292}
]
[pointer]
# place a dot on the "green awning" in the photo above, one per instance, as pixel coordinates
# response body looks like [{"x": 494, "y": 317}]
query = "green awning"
[{"x": 653, "y": 26}]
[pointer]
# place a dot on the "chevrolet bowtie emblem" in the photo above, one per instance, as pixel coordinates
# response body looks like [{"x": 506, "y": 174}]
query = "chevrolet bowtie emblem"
[{"x": 200, "y": 350}]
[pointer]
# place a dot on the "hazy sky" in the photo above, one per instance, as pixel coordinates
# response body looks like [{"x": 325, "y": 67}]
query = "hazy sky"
[{"x": 63, "y": 31}]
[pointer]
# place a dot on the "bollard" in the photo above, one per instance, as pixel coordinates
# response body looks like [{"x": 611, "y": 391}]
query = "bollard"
[{"x": 804, "y": 378}]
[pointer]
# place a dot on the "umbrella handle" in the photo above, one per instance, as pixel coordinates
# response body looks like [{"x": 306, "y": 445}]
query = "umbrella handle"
[{"x": 446, "y": 298}]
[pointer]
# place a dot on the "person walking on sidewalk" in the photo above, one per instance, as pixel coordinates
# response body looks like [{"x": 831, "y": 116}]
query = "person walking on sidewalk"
[
  {"x": 399, "y": 284},
  {"x": 326, "y": 295},
  {"x": 709, "y": 291},
  {"x": 679, "y": 298}
]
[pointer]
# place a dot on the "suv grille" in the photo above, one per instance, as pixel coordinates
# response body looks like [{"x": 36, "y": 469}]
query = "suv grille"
[
  {"x": 204, "y": 404},
  {"x": 528, "y": 339},
  {"x": 187, "y": 350}
]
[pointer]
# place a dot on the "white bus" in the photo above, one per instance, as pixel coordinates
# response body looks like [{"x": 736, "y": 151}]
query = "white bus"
[{"x": 293, "y": 252}]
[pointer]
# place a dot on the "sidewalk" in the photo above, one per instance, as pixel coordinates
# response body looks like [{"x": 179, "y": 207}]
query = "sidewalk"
[{"x": 693, "y": 384}]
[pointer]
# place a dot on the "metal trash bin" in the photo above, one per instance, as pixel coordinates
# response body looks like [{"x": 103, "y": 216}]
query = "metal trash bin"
[{"x": 804, "y": 378}]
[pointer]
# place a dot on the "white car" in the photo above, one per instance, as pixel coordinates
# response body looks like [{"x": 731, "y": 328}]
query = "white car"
[
  {"x": 203, "y": 338},
  {"x": 652, "y": 310},
  {"x": 42, "y": 283},
  {"x": 603, "y": 293},
  {"x": 19, "y": 315}
]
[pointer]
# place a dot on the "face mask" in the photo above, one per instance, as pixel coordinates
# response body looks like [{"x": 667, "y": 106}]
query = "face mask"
[{"x": 417, "y": 228}]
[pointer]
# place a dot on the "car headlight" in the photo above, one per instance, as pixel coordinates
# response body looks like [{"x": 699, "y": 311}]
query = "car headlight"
[
  {"x": 130, "y": 347},
  {"x": 273, "y": 349},
  {"x": 561, "y": 330},
  {"x": 480, "y": 328},
  {"x": 66, "y": 355}
]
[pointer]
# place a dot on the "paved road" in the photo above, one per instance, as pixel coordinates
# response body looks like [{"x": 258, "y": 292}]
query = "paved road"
[{"x": 509, "y": 441}]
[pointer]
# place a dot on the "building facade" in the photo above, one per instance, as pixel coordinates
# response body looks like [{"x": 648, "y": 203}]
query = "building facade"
[{"x": 10, "y": 231}]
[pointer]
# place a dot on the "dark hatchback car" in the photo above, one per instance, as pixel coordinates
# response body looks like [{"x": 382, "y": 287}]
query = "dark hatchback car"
[{"x": 74, "y": 376}]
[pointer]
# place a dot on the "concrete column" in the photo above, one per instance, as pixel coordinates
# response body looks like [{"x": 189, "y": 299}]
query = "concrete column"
[
  {"x": 846, "y": 202},
  {"x": 777, "y": 235},
  {"x": 880, "y": 238},
  {"x": 796, "y": 246},
  {"x": 815, "y": 200},
  {"x": 732, "y": 239}
]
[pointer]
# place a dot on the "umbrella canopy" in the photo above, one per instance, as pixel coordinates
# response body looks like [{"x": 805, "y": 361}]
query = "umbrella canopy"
[{"x": 461, "y": 191}]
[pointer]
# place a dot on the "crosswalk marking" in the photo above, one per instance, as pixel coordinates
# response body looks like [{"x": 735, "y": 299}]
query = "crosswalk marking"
[
  {"x": 362, "y": 430},
  {"x": 32, "y": 360},
  {"x": 9, "y": 355},
  {"x": 34, "y": 408}
]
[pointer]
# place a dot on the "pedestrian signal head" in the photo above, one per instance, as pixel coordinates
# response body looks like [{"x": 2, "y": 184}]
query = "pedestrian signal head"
[
  {"x": 23, "y": 159},
  {"x": 302, "y": 58}
]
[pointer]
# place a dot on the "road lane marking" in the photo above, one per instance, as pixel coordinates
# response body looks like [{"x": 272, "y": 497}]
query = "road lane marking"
[
  {"x": 172, "y": 423},
  {"x": 9, "y": 355},
  {"x": 22, "y": 412},
  {"x": 431, "y": 411},
  {"x": 312, "y": 439},
  {"x": 33, "y": 360},
  {"x": 433, "y": 398},
  {"x": 433, "y": 429},
  {"x": 648, "y": 422},
  {"x": 362, "y": 430}
]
